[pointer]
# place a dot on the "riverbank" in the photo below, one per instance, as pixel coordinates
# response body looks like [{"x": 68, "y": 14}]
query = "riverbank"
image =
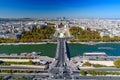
[
  {"x": 94, "y": 43},
  {"x": 45, "y": 58},
  {"x": 28, "y": 43},
  {"x": 87, "y": 43}
]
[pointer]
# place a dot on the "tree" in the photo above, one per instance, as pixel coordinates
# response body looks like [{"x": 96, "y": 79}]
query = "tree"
[
  {"x": 30, "y": 62},
  {"x": 92, "y": 72},
  {"x": 87, "y": 64},
  {"x": 117, "y": 63},
  {"x": 1, "y": 77},
  {"x": 38, "y": 34},
  {"x": 82, "y": 72},
  {"x": 85, "y": 35},
  {"x": 106, "y": 38}
]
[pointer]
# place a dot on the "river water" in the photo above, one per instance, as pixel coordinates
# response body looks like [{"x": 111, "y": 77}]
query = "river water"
[
  {"x": 109, "y": 49},
  {"x": 50, "y": 49}
]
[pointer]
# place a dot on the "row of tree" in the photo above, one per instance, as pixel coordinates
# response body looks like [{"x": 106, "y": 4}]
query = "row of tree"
[
  {"x": 20, "y": 63},
  {"x": 94, "y": 65},
  {"x": 17, "y": 71},
  {"x": 93, "y": 72}
]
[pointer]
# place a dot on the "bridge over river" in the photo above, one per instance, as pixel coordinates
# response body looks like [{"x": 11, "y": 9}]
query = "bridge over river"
[{"x": 60, "y": 67}]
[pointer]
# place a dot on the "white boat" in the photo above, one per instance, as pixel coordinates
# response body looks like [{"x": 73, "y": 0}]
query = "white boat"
[
  {"x": 107, "y": 48},
  {"x": 94, "y": 54},
  {"x": 91, "y": 43}
]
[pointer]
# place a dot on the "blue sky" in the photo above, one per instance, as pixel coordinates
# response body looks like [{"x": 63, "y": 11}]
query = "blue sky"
[{"x": 60, "y": 8}]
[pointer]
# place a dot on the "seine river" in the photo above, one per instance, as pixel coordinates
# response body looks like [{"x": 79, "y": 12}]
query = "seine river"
[{"x": 50, "y": 49}]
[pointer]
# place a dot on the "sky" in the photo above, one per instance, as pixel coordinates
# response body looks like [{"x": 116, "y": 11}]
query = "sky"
[{"x": 60, "y": 8}]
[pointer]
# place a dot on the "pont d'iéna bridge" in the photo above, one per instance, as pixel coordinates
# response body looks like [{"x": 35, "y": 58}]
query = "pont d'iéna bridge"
[{"x": 60, "y": 67}]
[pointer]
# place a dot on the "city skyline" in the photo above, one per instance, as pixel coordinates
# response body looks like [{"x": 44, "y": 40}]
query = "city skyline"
[
  {"x": 60, "y": 8},
  {"x": 59, "y": 39}
]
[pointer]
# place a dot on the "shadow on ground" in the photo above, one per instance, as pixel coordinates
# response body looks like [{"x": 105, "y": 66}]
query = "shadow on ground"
[{"x": 68, "y": 51}]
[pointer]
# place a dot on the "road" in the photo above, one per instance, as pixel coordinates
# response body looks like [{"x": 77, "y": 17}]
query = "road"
[
  {"x": 61, "y": 57},
  {"x": 96, "y": 78},
  {"x": 61, "y": 70},
  {"x": 75, "y": 77}
]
